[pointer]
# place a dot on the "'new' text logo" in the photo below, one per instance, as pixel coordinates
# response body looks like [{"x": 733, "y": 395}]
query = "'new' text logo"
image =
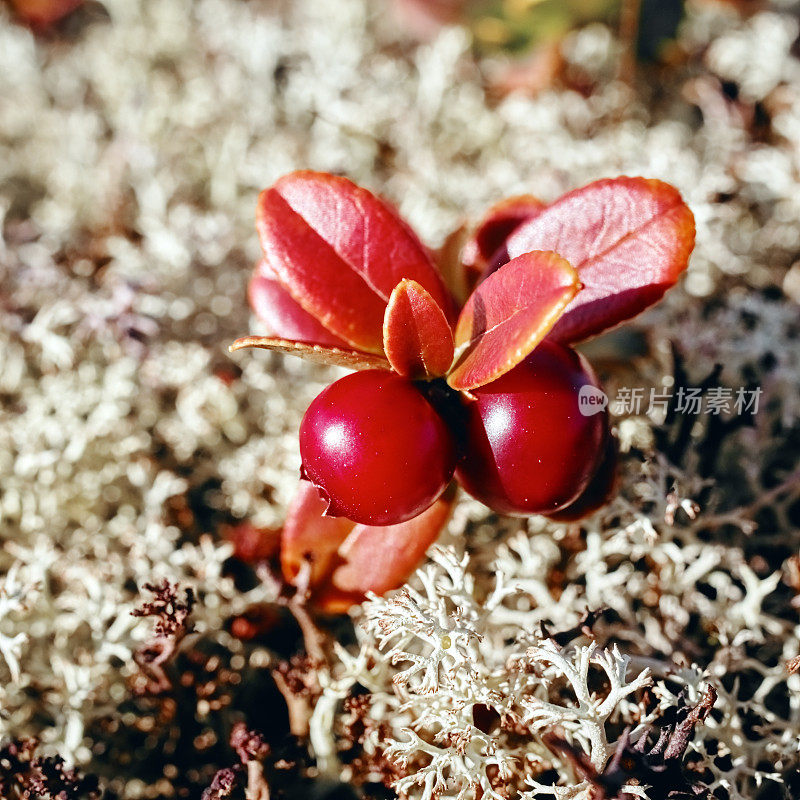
[{"x": 591, "y": 400}]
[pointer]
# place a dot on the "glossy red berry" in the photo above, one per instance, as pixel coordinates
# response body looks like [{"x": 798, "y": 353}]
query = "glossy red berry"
[
  {"x": 600, "y": 490},
  {"x": 528, "y": 448},
  {"x": 375, "y": 448}
]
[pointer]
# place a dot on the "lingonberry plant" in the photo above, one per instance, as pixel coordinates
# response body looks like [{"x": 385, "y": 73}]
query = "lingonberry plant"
[{"x": 471, "y": 374}]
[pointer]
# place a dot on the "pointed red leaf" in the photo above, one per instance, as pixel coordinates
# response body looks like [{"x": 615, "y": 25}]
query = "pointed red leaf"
[
  {"x": 417, "y": 338},
  {"x": 509, "y": 314},
  {"x": 283, "y": 316},
  {"x": 331, "y": 356},
  {"x": 499, "y": 222},
  {"x": 628, "y": 238},
  {"x": 340, "y": 251},
  {"x": 378, "y": 559},
  {"x": 309, "y": 537}
]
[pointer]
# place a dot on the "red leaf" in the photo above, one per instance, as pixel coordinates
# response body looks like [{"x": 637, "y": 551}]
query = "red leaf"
[
  {"x": 378, "y": 559},
  {"x": 309, "y": 537},
  {"x": 509, "y": 314},
  {"x": 340, "y": 561},
  {"x": 417, "y": 338},
  {"x": 283, "y": 316},
  {"x": 628, "y": 238},
  {"x": 331, "y": 356},
  {"x": 467, "y": 252},
  {"x": 499, "y": 222},
  {"x": 340, "y": 251}
]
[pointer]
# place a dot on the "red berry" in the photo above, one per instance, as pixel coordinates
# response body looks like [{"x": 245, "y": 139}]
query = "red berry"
[
  {"x": 600, "y": 490},
  {"x": 375, "y": 448},
  {"x": 528, "y": 449}
]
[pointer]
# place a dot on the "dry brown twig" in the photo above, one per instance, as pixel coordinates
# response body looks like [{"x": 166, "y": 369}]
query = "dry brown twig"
[{"x": 297, "y": 679}]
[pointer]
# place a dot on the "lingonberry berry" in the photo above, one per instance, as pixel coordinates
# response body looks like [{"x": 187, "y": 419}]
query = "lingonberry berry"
[
  {"x": 375, "y": 448},
  {"x": 600, "y": 490},
  {"x": 528, "y": 449}
]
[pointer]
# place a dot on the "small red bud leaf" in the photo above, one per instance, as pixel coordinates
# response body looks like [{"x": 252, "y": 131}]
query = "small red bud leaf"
[
  {"x": 378, "y": 559},
  {"x": 509, "y": 314},
  {"x": 498, "y": 223},
  {"x": 417, "y": 338},
  {"x": 340, "y": 251},
  {"x": 628, "y": 238},
  {"x": 309, "y": 538},
  {"x": 283, "y": 316},
  {"x": 331, "y": 356}
]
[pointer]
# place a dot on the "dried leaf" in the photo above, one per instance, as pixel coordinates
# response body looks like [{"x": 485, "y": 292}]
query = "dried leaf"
[
  {"x": 340, "y": 251},
  {"x": 509, "y": 314},
  {"x": 378, "y": 559},
  {"x": 628, "y": 238},
  {"x": 331, "y": 356},
  {"x": 309, "y": 537},
  {"x": 282, "y": 315},
  {"x": 417, "y": 338}
]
